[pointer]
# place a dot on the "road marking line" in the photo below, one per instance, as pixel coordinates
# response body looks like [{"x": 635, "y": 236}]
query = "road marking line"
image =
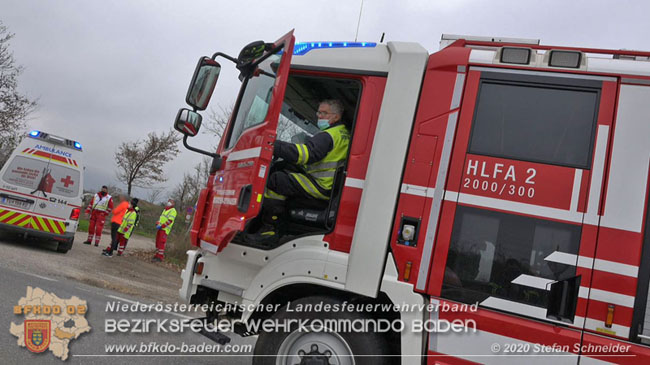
[{"x": 38, "y": 276}]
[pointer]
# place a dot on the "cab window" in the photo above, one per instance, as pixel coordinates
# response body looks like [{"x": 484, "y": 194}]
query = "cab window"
[
  {"x": 539, "y": 119},
  {"x": 254, "y": 102},
  {"x": 298, "y": 118},
  {"x": 506, "y": 256}
]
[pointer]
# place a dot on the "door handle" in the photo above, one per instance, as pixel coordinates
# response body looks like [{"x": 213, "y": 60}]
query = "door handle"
[{"x": 244, "y": 198}]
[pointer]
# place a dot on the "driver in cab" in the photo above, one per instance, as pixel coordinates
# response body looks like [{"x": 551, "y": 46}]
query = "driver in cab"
[{"x": 318, "y": 157}]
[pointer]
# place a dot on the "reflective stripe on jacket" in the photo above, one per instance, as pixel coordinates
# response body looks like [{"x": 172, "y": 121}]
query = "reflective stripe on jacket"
[
  {"x": 102, "y": 204},
  {"x": 128, "y": 223},
  {"x": 167, "y": 218},
  {"x": 324, "y": 170}
]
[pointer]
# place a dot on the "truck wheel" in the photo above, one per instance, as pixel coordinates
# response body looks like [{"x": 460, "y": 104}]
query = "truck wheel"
[
  {"x": 289, "y": 345},
  {"x": 65, "y": 246}
]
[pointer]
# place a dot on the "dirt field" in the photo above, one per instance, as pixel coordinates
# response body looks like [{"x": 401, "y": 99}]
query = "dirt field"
[{"x": 132, "y": 273}]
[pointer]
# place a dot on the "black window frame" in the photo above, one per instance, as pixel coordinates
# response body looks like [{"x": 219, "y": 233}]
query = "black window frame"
[
  {"x": 547, "y": 82},
  {"x": 643, "y": 282}
]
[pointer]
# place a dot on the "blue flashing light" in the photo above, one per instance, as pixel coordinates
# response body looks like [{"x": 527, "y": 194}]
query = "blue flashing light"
[
  {"x": 303, "y": 47},
  {"x": 34, "y": 133},
  {"x": 77, "y": 145}
]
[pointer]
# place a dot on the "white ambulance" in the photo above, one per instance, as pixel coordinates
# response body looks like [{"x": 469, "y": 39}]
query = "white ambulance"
[{"x": 41, "y": 189}]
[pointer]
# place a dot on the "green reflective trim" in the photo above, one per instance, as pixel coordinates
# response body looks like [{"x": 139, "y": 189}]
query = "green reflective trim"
[
  {"x": 300, "y": 153},
  {"x": 270, "y": 194},
  {"x": 323, "y": 171},
  {"x": 323, "y": 174},
  {"x": 305, "y": 154},
  {"x": 323, "y": 166},
  {"x": 308, "y": 186}
]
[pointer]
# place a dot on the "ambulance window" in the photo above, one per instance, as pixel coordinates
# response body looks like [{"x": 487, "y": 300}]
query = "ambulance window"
[
  {"x": 536, "y": 121},
  {"x": 502, "y": 256},
  {"x": 25, "y": 172},
  {"x": 66, "y": 181}
]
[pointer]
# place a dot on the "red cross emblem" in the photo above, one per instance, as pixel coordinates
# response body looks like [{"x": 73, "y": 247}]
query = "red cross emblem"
[{"x": 67, "y": 181}]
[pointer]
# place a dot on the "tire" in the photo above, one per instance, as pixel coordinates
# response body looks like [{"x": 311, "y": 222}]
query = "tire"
[
  {"x": 65, "y": 246},
  {"x": 290, "y": 346}
]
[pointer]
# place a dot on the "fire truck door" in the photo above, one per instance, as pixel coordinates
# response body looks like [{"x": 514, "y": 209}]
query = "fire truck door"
[
  {"x": 522, "y": 194},
  {"x": 247, "y": 148}
]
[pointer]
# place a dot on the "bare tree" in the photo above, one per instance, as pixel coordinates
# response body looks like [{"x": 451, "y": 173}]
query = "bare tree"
[
  {"x": 140, "y": 163},
  {"x": 186, "y": 193},
  {"x": 217, "y": 121},
  {"x": 154, "y": 194},
  {"x": 14, "y": 107}
]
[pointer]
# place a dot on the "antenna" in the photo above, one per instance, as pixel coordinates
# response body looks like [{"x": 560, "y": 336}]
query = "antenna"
[
  {"x": 359, "y": 22},
  {"x": 382, "y": 37}
]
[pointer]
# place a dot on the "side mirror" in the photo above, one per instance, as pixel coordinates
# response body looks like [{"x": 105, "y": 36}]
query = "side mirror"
[
  {"x": 188, "y": 122},
  {"x": 563, "y": 299},
  {"x": 203, "y": 83}
]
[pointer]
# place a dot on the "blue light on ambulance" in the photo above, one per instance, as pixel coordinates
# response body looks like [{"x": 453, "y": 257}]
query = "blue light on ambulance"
[
  {"x": 34, "y": 133},
  {"x": 77, "y": 145}
]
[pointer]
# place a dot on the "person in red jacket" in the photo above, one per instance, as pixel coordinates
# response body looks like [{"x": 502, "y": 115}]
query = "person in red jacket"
[{"x": 99, "y": 207}]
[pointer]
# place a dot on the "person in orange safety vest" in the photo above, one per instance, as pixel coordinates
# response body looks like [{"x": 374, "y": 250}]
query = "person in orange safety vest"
[
  {"x": 118, "y": 215},
  {"x": 125, "y": 229}
]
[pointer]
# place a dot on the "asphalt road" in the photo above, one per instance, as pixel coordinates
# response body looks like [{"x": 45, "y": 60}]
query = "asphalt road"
[{"x": 91, "y": 347}]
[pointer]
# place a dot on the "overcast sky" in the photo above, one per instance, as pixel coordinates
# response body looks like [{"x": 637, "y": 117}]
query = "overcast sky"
[{"x": 111, "y": 71}]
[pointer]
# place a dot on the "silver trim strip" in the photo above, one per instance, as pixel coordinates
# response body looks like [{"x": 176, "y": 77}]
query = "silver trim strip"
[
  {"x": 627, "y": 80},
  {"x": 224, "y": 287},
  {"x": 458, "y": 91},
  {"x": 209, "y": 247},
  {"x": 434, "y": 214},
  {"x": 417, "y": 190},
  {"x": 597, "y": 172},
  {"x": 244, "y": 154},
  {"x": 542, "y": 73},
  {"x": 461, "y": 68},
  {"x": 354, "y": 183},
  {"x": 575, "y": 193}
]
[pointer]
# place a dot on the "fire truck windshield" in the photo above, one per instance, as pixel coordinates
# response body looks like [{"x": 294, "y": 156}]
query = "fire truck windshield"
[{"x": 254, "y": 102}]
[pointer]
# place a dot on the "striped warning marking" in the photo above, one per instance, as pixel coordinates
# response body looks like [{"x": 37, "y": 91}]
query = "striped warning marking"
[
  {"x": 32, "y": 221},
  {"x": 48, "y": 156}
]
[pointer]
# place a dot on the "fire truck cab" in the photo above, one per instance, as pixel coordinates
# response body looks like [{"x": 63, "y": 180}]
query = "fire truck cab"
[{"x": 498, "y": 184}]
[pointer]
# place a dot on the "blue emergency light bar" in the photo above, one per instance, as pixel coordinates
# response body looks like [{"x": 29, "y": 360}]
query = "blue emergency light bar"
[
  {"x": 302, "y": 48},
  {"x": 55, "y": 139}
]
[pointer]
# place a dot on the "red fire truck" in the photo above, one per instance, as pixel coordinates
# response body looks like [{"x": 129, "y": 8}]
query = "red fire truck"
[{"x": 499, "y": 176}]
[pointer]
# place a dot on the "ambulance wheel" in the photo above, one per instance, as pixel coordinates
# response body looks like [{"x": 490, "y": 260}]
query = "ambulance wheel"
[
  {"x": 288, "y": 345},
  {"x": 65, "y": 246}
]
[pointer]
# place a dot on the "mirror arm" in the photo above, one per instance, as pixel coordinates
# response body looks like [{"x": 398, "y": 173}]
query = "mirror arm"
[
  {"x": 213, "y": 155},
  {"x": 229, "y": 58}
]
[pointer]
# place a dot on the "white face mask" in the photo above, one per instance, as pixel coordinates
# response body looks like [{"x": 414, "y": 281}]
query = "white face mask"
[
  {"x": 323, "y": 124},
  {"x": 169, "y": 204}
]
